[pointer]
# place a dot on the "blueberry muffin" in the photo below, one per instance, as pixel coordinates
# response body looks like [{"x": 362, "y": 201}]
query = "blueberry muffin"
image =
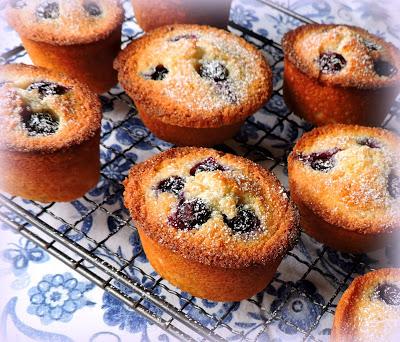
[
  {"x": 345, "y": 180},
  {"x": 339, "y": 74},
  {"x": 49, "y": 146},
  {"x": 194, "y": 85},
  {"x": 80, "y": 38},
  {"x": 151, "y": 14},
  {"x": 213, "y": 224},
  {"x": 369, "y": 310}
]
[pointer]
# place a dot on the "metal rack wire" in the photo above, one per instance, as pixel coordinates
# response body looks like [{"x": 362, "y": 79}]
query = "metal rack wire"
[{"x": 139, "y": 287}]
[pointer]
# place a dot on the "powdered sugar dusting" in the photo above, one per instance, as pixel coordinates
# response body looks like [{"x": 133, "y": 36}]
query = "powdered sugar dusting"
[{"x": 206, "y": 72}]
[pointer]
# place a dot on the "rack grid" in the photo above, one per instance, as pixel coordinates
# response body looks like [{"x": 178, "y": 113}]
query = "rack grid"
[{"x": 123, "y": 271}]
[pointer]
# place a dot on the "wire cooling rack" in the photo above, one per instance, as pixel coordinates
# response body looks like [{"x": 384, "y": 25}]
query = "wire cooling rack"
[{"x": 266, "y": 138}]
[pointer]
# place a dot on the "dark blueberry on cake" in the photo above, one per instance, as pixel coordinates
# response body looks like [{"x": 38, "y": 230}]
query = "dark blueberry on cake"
[
  {"x": 157, "y": 74},
  {"x": 190, "y": 214},
  {"x": 389, "y": 293},
  {"x": 92, "y": 8},
  {"x": 48, "y": 10},
  {"x": 172, "y": 184},
  {"x": 383, "y": 68},
  {"x": 183, "y": 36},
  {"x": 39, "y": 123},
  {"x": 214, "y": 70},
  {"x": 244, "y": 222},
  {"x": 370, "y": 142},
  {"x": 18, "y": 3},
  {"x": 48, "y": 88},
  {"x": 321, "y": 161},
  {"x": 394, "y": 185},
  {"x": 209, "y": 164},
  {"x": 331, "y": 62}
]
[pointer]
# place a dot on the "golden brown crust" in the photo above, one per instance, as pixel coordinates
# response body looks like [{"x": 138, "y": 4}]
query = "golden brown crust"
[
  {"x": 72, "y": 26},
  {"x": 213, "y": 243},
  {"x": 354, "y": 194},
  {"x": 205, "y": 281},
  {"x": 78, "y": 110},
  {"x": 360, "y": 316},
  {"x": 184, "y": 98},
  {"x": 323, "y": 104},
  {"x": 303, "y": 46},
  {"x": 60, "y": 176}
]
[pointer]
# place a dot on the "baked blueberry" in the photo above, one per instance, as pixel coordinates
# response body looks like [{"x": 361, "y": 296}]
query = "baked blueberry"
[
  {"x": 190, "y": 214},
  {"x": 48, "y": 10},
  {"x": 157, "y": 74},
  {"x": 389, "y": 293},
  {"x": 331, "y": 62},
  {"x": 39, "y": 123},
  {"x": 370, "y": 142},
  {"x": 244, "y": 222},
  {"x": 209, "y": 164},
  {"x": 321, "y": 161},
  {"x": 46, "y": 88},
  {"x": 214, "y": 70},
  {"x": 384, "y": 68},
  {"x": 92, "y": 8},
  {"x": 172, "y": 184},
  {"x": 394, "y": 185}
]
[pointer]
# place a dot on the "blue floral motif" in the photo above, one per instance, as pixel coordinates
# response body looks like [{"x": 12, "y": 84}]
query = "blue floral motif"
[
  {"x": 244, "y": 16},
  {"x": 57, "y": 297},
  {"x": 247, "y": 132},
  {"x": 114, "y": 170},
  {"x": 21, "y": 254},
  {"x": 134, "y": 132},
  {"x": 297, "y": 309},
  {"x": 199, "y": 316},
  {"x": 86, "y": 226},
  {"x": 372, "y": 10},
  {"x": 343, "y": 263},
  {"x": 119, "y": 314}
]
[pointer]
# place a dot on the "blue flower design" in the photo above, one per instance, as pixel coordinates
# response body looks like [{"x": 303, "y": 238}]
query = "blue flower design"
[
  {"x": 298, "y": 307},
  {"x": 247, "y": 132},
  {"x": 201, "y": 317},
  {"x": 115, "y": 170},
  {"x": 119, "y": 314},
  {"x": 372, "y": 10},
  {"x": 21, "y": 254},
  {"x": 343, "y": 263},
  {"x": 244, "y": 16},
  {"x": 57, "y": 297}
]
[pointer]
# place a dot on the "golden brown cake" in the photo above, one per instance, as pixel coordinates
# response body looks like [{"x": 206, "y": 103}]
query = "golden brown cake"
[
  {"x": 194, "y": 85},
  {"x": 339, "y": 74},
  {"x": 151, "y": 14},
  {"x": 213, "y": 224},
  {"x": 49, "y": 146},
  {"x": 345, "y": 180},
  {"x": 80, "y": 38},
  {"x": 369, "y": 310}
]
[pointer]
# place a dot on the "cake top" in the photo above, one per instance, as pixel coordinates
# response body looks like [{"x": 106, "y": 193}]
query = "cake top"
[
  {"x": 42, "y": 111},
  {"x": 370, "y": 308},
  {"x": 343, "y": 55},
  {"x": 350, "y": 176},
  {"x": 212, "y": 207},
  {"x": 195, "y": 76},
  {"x": 61, "y": 22}
]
